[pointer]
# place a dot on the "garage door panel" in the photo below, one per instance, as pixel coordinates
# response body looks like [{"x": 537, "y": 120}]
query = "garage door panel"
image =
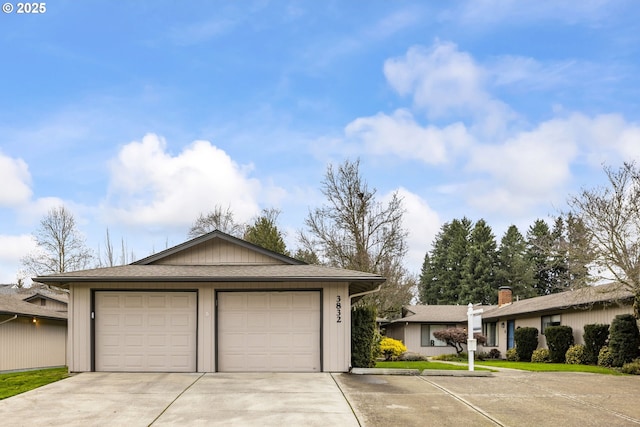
[
  {"x": 269, "y": 331},
  {"x": 143, "y": 332}
]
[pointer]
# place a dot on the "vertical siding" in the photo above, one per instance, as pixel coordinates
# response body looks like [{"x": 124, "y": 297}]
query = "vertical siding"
[
  {"x": 577, "y": 319},
  {"x": 80, "y": 329},
  {"x": 217, "y": 252},
  {"x": 206, "y": 330},
  {"x": 336, "y": 342},
  {"x": 27, "y": 345}
]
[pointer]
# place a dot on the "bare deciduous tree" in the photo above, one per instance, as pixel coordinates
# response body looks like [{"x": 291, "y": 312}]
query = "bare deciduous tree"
[
  {"x": 61, "y": 247},
  {"x": 611, "y": 217},
  {"x": 218, "y": 219},
  {"x": 355, "y": 231}
]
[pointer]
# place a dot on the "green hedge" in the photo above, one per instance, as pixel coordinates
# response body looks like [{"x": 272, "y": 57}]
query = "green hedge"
[
  {"x": 364, "y": 344},
  {"x": 559, "y": 339},
  {"x": 624, "y": 340},
  {"x": 595, "y": 337},
  {"x": 526, "y": 340}
]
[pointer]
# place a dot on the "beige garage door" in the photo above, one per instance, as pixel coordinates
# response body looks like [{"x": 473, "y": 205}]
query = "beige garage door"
[
  {"x": 269, "y": 331},
  {"x": 145, "y": 331}
]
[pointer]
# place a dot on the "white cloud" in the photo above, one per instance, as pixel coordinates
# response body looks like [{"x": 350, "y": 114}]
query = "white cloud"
[
  {"x": 16, "y": 181},
  {"x": 423, "y": 223},
  {"x": 608, "y": 138},
  {"x": 535, "y": 167},
  {"x": 399, "y": 134},
  {"x": 150, "y": 186},
  {"x": 12, "y": 250},
  {"x": 448, "y": 83}
]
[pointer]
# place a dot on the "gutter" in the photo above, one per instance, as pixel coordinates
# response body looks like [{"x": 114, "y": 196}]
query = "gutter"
[
  {"x": 15, "y": 316},
  {"x": 363, "y": 294}
]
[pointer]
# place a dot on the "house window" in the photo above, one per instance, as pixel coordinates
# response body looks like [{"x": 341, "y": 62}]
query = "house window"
[
  {"x": 43, "y": 302},
  {"x": 426, "y": 335},
  {"x": 490, "y": 330},
  {"x": 550, "y": 321}
]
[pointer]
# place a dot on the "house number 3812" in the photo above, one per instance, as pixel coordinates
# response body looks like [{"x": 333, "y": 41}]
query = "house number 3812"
[{"x": 338, "y": 309}]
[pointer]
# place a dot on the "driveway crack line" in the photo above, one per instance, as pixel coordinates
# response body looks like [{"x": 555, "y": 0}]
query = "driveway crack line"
[
  {"x": 176, "y": 398},
  {"x": 466, "y": 402},
  {"x": 347, "y": 400}
]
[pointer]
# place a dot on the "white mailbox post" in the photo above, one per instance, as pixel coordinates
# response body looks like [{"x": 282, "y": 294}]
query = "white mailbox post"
[{"x": 474, "y": 322}]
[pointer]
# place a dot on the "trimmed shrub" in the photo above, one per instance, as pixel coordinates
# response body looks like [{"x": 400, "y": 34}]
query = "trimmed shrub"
[
  {"x": 595, "y": 337},
  {"x": 559, "y": 339},
  {"x": 624, "y": 340},
  {"x": 494, "y": 353},
  {"x": 512, "y": 355},
  {"x": 526, "y": 342},
  {"x": 632, "y": 367},
  {"x": 540, "y": 355},
  {"x": 576, "y": 355},
  {"x": 364, "y": 343},
  {"x": 412, "y": 357},
  {"x": 605, "y": 358},
  {"x": 392, "y": 349}
]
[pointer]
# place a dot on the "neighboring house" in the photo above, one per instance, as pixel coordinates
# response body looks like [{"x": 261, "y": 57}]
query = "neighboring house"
[
  {"x": 30, "y": 336},
  {"x": 584, "y": 306},
  {"x": 418, "y": 323},
  {"x": 51, "y": 301},
  {"x": 596, "y": 304},
  {"x": 213, "y": 304}
]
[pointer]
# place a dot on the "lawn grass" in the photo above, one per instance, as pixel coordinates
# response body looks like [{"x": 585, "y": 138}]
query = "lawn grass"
[
  {"x": 547, "y": 367},
  {"x": 19, "y": 382},
  {"x": 421, "y": 365}
]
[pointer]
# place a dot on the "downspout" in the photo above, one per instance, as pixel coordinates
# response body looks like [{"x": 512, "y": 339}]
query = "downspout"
[{"x": 9, "y": 320}]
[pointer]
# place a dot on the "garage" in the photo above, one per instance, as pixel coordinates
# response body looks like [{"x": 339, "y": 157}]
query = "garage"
[
  {"x": 145, "y": 331},
  {"x": 268, "y": 331}
]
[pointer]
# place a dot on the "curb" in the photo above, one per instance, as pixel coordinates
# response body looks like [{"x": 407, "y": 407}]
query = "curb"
[
  {"x": 416, "y": 372},
  {"x": 384, "y": 371}
]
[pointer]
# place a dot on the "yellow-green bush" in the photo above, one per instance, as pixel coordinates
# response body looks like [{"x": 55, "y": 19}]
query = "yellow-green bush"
[
  {"x": 605, "y": 358},
  {"x": 392, "y": 349},
  {"x": 512, "y": 355},
  {"x": 632, "y": 367},
  {"x": 540, "y": 355},
  {"x": 576, "y": 355}
]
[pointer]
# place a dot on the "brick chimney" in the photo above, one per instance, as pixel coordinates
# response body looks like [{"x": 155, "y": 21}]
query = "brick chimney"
[{"x": 504, "y": 296}]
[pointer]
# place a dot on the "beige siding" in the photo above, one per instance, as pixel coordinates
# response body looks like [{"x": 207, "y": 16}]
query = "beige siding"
[
  {"x": 576, "y": 319},
  {"x": 336, "y": 341},
  {"x": 217, "y": 252},
  {"x": 27, "y": 345}
]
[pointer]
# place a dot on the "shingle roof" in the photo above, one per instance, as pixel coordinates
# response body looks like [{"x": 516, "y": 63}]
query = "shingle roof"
[
  {"x": 610, "y": 293},
  {"x": 218, "y": 273},
  {"x": 583, "y": 297},
  {"x": 64, "y": 298},
  {"x": 11, "y": 306},
  {"x": 434, "y": 314}
]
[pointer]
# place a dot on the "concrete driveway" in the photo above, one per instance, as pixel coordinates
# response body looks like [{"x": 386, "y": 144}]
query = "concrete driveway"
[
  {"x": 510, "y": 398},
  {"x": 129, "y": 399},
  {"x": 505, "y": 399}
]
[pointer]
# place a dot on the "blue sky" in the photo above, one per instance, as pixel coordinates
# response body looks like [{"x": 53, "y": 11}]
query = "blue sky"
[{"x": 138, "y": 116}]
